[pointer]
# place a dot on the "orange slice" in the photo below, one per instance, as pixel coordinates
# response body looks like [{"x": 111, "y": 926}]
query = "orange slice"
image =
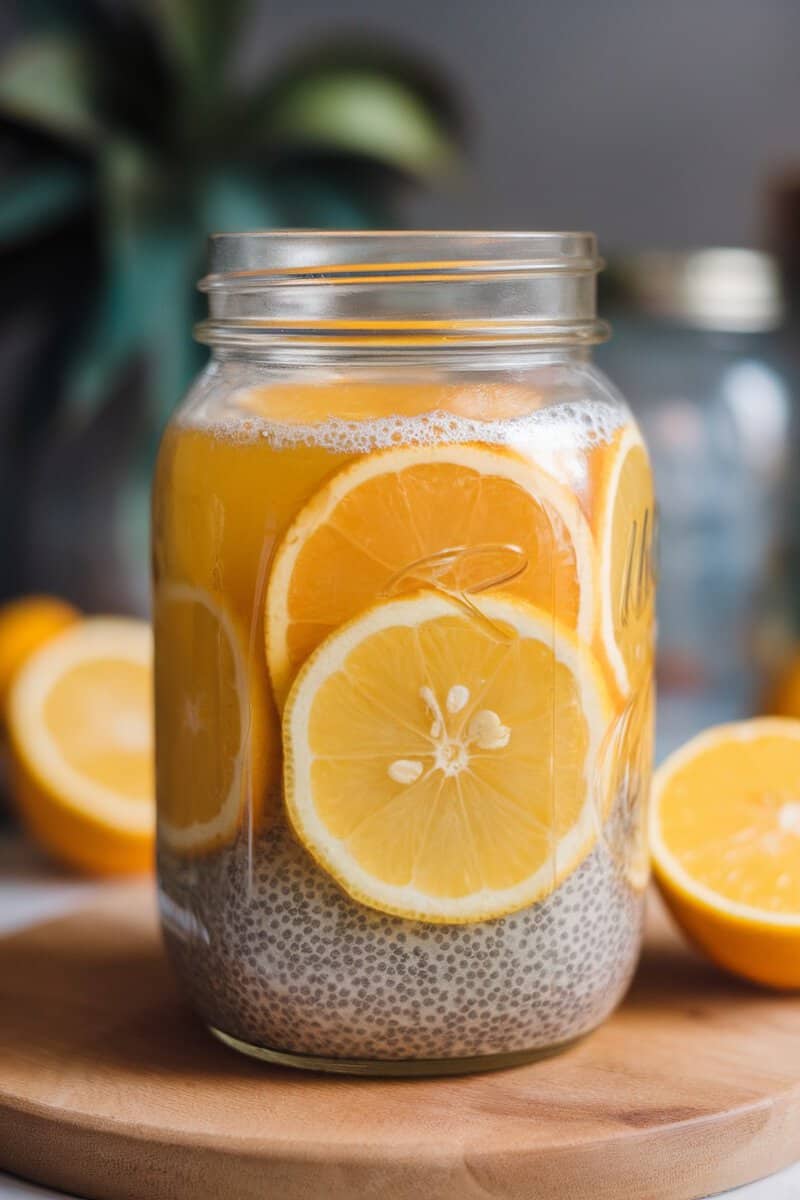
[
  {"x": 623, "y": 520},
  {"x": 462, "y": 518},
  {"x": 419, "y": 765},
  {"x": 216, "y": 745},
  {"x": 80, "y": 730},
  {"x": 725, "y": 836}
]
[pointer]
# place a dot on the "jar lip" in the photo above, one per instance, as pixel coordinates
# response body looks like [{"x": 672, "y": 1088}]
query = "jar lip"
[
  {"x": 407, "y": 287},
  {"x": 296, "y": 257}
]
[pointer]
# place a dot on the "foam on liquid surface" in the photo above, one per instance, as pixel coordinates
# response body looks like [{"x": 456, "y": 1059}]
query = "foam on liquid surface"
[{"x": 577, "y": 426}]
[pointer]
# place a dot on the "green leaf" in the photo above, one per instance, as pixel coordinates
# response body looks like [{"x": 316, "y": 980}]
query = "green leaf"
[
  {"x": 174, "y": 356},
  {"x": 37, "y": 198},
  {"x": 364, "y": 112},
  {"x": 110, "y": 341},
  {"x": 359, "y": 99},
  {"x": 145, "y": 304},
  {"x": 200, "y": 35},
  {"x": 47, "y": 82}
]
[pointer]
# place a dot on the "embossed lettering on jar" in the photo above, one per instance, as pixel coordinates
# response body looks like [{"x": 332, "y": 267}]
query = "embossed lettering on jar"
[{"x": 404, "y": 618}]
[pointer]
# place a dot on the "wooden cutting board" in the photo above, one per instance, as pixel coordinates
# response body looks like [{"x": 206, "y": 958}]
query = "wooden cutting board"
[{"x": 109, "y": 1088}]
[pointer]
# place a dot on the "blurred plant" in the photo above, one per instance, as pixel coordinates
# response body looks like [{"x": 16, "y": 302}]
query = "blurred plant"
[{"x": 125, "y": 137}]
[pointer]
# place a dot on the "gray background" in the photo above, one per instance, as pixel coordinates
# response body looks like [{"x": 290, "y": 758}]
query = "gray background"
[{"x": 650, "y": 122}]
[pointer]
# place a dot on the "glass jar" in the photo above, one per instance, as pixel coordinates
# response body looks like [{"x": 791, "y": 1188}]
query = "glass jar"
[
  {"x": 700, "y": 356},
  {"x": 403, "y": 610}
]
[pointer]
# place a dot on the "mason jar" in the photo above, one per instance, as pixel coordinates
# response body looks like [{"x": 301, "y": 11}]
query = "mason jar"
[
  {"x": 701, "y": 352},
  {"x": 404, "y": 618}
]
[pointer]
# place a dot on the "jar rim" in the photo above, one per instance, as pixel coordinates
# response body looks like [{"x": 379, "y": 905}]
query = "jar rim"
[
  {"x": 301, "y": 255},
  {"x": 472, "y": 287}
]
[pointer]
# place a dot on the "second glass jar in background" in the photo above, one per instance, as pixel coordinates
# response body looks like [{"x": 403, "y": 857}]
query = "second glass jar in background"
[
  {"x": 403, "y": 612},
  {"x": 700, "y": 355}
]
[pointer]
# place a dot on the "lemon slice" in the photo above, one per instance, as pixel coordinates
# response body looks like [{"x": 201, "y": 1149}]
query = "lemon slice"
[
  {"x": 419, "y": 756},
  {"x": 80, "y": 731},
  {"x": 462, "y": 518},
  {"x": 725, "y": 838},
  {"x": 624, "y": 525},
  {"x": 216, "y": 747}
]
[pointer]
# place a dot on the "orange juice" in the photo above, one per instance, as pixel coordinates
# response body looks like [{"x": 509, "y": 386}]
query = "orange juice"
[{"x": 403, "y": 679}]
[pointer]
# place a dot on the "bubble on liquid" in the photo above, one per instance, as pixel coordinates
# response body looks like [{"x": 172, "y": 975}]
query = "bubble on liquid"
[{"x": 561, "y": 428}]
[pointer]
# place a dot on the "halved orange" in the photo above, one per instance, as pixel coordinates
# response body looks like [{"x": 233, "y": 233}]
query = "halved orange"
[
  {"x": 419, "y": 756},
  {"x": 623, "y": 520},
  {"x": 725, "y": 837},
  {"x": 80, "y": 729},
  {"x": 216, "y": 737},
  {"x": 460, "y": 518}
]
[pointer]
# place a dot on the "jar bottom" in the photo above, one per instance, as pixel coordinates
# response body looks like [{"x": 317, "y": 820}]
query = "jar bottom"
[{"x": 395, "y": 1068}]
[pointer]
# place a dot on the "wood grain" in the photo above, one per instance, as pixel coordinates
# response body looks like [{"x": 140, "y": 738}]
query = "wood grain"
[{"x": 109, "y": 1088}]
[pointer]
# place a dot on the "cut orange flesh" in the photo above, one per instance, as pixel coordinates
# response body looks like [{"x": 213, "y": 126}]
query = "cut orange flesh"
[
  {"x": 419, "y": 765},
  {"x": 460, "y": 518},
  {"x": 80, "y": 726},
  {"x": 216, "y": 745},
  {"x": 725, "y": 835},
  {"x": 624, "y": 523}
]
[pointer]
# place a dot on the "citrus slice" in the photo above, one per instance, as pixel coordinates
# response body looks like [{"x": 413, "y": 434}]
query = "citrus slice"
[
  {"x": 624, "y": 519},
  {"x": 725, "y": 837},
  {"x": 462, "y": 518},
  {"x": 419, "y": 756},
  {"x": 80, "y": 730},
  {"x": 216, "y": 744}
]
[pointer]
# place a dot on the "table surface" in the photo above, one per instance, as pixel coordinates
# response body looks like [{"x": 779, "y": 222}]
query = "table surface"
[{"x": 31, "y": 890}]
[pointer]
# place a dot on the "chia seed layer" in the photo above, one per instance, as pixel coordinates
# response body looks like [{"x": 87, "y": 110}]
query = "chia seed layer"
[{"x": 271, "y": 951}]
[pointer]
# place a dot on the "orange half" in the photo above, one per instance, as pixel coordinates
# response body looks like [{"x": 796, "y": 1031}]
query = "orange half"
[
  {"x": 725, "y": 838},
  {"x": 80, "y": 720}
]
